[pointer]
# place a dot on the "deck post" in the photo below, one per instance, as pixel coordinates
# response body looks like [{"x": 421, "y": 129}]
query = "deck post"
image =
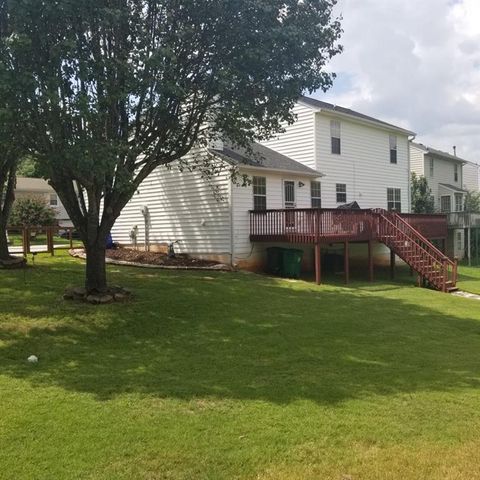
[
  {"x": 346, "y": 263},
  {"x": 318, "y": 264},
  {"x": 370, "y": 260},
  {"x": 392, "y": 264}
]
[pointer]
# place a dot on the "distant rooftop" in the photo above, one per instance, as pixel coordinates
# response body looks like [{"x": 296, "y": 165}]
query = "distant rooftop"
[
  {"x": 313, "y": 102},
  {"x": 26, "y": 184},
  {"x": 439, "y": 153}
]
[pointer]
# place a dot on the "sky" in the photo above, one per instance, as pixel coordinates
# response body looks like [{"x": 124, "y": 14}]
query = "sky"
[{"x": 414, "y": 63}]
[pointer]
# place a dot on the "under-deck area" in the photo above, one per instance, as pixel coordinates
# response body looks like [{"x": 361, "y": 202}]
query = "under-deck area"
[{"x": 322, "y": 227}]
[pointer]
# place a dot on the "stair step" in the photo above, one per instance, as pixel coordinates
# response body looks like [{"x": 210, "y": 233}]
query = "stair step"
[{"x": 452, "y": 289}]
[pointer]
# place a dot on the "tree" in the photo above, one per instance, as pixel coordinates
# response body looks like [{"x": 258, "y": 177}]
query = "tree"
[
  {"x": 32, "y": 212},
  {"x": 10, "y": 146},
  {"x": 472, "y": 202},
  {"x": 28, "y": 167},
  {"x": 115, "y": 88},
  {"x": 422, "y": 198}
]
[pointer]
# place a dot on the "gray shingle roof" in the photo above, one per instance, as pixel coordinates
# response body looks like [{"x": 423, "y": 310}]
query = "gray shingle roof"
[
  {"x": 313, "y": 102},
  {"x": 263, "y": 157},
  {"x": 452, "y": 187},
  {"x": 439, "y": 153}
]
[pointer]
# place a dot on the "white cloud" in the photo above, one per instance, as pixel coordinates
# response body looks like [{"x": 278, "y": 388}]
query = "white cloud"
[{"x": 416, "y": 64}]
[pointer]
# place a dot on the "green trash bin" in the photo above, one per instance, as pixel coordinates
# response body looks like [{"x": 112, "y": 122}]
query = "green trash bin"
[
  {"x": 275, "y": 260},
  {"x": 292, "y": 263}
]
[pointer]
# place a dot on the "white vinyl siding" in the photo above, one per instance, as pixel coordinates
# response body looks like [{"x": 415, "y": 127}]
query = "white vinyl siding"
[
  {"x": 471, "y": 177},
  {"x": 183, "y": 206},
  {"x": 297, "y": 142},
  {"x": 443, "y": 173},
  {"x": 242, "y": 201},
  {"x": 417, "y": 160},
  {"x": 364, "y": 164}
]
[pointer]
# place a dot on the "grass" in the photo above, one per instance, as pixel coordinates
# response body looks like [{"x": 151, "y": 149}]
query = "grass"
[
  {"x": 236, "y": 376},
  {"x": 469, "y": 279}
]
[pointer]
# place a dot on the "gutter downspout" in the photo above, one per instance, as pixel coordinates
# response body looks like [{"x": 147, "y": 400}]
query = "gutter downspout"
[
  {"x": 409, "y": 173},
  {"x": 230, "y": 206}
]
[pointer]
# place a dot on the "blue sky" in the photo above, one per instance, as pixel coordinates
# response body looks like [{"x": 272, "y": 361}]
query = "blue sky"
[{"x": 415, "y": 63}]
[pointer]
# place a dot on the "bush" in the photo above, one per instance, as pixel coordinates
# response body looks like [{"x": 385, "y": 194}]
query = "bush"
[{"x": 32, "y": 212}]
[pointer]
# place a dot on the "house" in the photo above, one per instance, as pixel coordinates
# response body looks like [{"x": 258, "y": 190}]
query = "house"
[
  {"x": 471, "y": 177},
  {"x": 39, "y": 188},
  {"x": 329, "y": 157},
  {"x": 444, "y": 174},
  {"x": 364, "y": 159},
  {"x": 210, "y": 217}
]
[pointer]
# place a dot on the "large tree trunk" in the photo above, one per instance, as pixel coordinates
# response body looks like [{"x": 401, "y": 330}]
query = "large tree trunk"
[
  {"x": 4, "y": 254},
  {"x": 7, "y": 191},
  {"x": 96, "y": 273}
]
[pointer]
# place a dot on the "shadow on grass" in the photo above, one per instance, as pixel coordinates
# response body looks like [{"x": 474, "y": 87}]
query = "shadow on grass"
[{"x": 239, "y": 336}]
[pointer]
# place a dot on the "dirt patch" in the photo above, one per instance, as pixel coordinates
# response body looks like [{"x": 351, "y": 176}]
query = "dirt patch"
[{"x": 154, "y": 258}]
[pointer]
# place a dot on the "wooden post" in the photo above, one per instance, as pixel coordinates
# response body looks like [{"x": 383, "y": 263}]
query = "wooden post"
[
  {"x": 392, "y": 264},
  {"x": 70, "y": 237},
  {"x": 370, "y": 260},
  {"x": 24, "y": 241},
  {"x": 346, "y": 263},
  {"x": 318, "y": 264}
]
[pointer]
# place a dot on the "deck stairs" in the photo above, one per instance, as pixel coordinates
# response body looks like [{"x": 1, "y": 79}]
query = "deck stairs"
[{"x": 432, "y": 265}]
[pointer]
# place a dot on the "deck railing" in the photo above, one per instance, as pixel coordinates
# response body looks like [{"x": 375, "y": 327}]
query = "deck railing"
[
  {"x": 310, "y": 225},
  {"x": 463, "y": 220}
]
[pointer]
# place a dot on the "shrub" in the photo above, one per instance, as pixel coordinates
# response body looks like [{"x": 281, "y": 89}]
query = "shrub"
[{"x": 31, "y": 212}]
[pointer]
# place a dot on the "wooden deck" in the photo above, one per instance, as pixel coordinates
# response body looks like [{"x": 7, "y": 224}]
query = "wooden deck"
[
  {"x": 408, "y": 236},
  {"x": 311, "y": 226}
]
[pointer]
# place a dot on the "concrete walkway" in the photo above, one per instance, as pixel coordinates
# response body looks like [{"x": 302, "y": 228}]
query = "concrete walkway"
[{"x": 472, "y": 296}]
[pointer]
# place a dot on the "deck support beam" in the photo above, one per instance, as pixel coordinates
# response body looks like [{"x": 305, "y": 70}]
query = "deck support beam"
[
  {"x": 370, "y": 260},
  {"x": 318, "y": 264},
  {"x": 346, "y": 265},
  {"x": 392, "y": 264}
]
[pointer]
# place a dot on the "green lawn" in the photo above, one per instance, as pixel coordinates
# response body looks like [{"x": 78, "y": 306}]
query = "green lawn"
[
  {"x": 236, "y": 376},
  {"x": 469, "y": 279}
]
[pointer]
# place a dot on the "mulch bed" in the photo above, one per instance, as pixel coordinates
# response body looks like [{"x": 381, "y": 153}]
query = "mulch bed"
[{"x": 154, "y": 258}]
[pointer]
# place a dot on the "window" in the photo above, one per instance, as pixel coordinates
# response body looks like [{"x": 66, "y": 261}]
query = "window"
[
  {"x": 394, "y": 199},
  {"x": 459, "y": 241},
  {"x": 446, "y": 203},
  {"x": 455, "y": 173},
  {"x": 259, "y": 193},
  {"x": 341, "y": 193},
  {"x": 431, "y": 167},
  {"x": 335, "y": 128},
  {"x": 393, "y": 149},
  {"x": 458, "y": 202},
  {"x": 316, "y": 194},
  {"x": 53, "y": 200}
]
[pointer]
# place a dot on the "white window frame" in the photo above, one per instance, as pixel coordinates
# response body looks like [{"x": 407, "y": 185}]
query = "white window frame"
[
  {"x": 255, "y": 178},
  {"x": 394, "y": 199},
  {"x": 458, "y": 205},
  {"x": 337, "y": 192},
  {"x": 442, "y": 209},
  {"x": 455, "y": 173},
  {"x": 432, "y": 167},
  {"x": 315, "y": 185},
  {"x": 53, "y": 200},
  {"x": 393, "y": 141},
  {"x": 294, "y": 203},
  {"x": 336, "y": 133}
]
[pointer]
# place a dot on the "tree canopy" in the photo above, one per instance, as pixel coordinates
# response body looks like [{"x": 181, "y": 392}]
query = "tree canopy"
[
  {"x": 115, "y": 88},
  {"x": 422, "y": 198}
]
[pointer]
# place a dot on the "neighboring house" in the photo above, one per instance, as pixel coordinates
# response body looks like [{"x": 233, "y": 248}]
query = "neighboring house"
[
  {"x": 39, "y": 188},
  {"x": 444, "y": 174},
  {"x": 364, "y": 159},
  {"x": 471, "y": 177},
  {"x": 210, "y": 218}
]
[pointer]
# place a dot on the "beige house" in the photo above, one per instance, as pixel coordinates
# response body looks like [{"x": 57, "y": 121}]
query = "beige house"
[{"x": 39, "y": 188}]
